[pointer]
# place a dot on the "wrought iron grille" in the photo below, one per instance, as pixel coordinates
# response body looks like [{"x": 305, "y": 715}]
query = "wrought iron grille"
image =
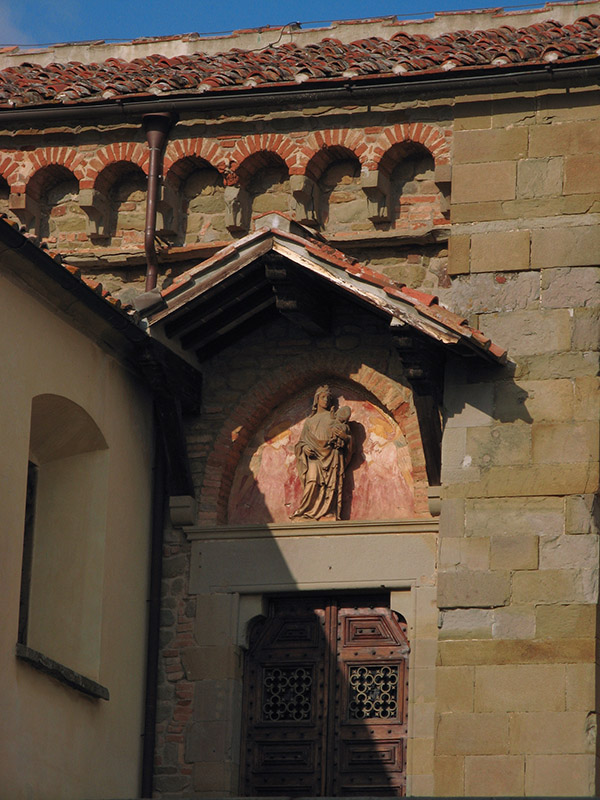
[
  {"x": 287, "y": 694},
  {"x": 373, "y": 692}
]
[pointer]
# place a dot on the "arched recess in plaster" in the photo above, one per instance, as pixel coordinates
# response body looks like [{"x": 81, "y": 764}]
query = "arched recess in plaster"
[
  {"x": 263, "y": 186},
  {"x": 246, "y": 419},
  {"x": 64, "y": 545},
  {"x": 58, "y": 218},
  {"x": 196, "y": 191}
]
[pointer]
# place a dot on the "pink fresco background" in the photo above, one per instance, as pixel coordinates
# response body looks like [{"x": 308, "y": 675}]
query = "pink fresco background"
[{"x": 378, "y": 482}]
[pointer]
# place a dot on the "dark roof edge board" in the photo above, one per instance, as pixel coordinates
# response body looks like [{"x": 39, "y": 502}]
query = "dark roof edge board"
[{"x": 353, "y": 89}]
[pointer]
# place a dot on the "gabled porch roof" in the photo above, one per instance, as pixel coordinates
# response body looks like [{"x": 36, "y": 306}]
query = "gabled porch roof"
[{"x": 283, "y": 266}]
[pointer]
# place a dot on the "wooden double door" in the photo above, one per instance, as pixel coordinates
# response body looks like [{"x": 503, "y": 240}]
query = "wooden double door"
[{"x": 325, "y": 699}]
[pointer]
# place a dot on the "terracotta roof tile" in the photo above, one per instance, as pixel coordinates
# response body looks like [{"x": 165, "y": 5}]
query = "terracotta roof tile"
[
  {"x": 289, "y": 64},
  {"x": 427, "y": 305}
]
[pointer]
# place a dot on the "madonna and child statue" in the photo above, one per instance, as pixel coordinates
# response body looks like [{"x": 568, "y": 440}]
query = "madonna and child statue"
[{"x": 322, "y": 455}]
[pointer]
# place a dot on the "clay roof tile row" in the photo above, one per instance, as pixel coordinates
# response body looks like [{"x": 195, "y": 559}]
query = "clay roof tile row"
[{"x": 548, "y": 41}]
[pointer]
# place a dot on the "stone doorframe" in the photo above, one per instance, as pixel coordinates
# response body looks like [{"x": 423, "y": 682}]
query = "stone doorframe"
[{"x": 232, "y": 572}]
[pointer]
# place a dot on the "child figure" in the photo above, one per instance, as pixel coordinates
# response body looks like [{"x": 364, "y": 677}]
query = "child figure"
[
  {"x": 340, "y": 430},
  {"x": 341, "y": 442}
]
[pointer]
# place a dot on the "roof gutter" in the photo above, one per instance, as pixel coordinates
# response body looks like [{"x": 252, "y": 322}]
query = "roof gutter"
[{"x": 350, "y": 90}]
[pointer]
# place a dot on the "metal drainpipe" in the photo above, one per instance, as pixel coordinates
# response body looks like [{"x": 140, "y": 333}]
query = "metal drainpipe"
[{"x": 156, "y": 127}]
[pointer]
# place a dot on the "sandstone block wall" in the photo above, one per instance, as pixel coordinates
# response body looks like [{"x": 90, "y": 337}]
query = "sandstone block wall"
[{"x": 518, "y": 570}]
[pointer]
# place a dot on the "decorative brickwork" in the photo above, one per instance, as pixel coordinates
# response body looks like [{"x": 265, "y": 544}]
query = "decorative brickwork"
[{"x": 337, "y": 202}]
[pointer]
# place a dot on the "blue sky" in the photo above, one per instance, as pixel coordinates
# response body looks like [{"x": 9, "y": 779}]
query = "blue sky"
[{"x": 46, "y": 21}]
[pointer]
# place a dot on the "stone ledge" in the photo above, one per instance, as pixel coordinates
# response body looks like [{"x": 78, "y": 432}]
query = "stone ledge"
[
  {"x": 61, "y": 673},
  {"x": 359, "y": 797}
]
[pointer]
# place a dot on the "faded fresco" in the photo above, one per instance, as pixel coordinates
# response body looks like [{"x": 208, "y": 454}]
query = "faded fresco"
[{"x": 378, "y": 481}]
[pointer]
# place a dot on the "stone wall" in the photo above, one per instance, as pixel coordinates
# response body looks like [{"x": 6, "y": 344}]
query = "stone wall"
[
  {"x": 518, "y": 580},
  {"x": 201, "y": 660},
  {"x": 514, "y": 690}
]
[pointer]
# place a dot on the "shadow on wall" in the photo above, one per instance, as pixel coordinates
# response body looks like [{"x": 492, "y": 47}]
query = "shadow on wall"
[
  {"x": 487, "y": 389},
  {"x": 325, "y": 698}
]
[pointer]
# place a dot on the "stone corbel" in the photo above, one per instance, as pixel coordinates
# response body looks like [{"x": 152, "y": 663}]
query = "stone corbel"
[
  {"x": 26, "y": 209},
  {"x": 306, "y": 195},
  {"x": 443, "y": 178},
  {"x": 182, "y": 510},
  {"x": 167, "y": 218},
  {"x": 97, "y": 208},
  {"x": 376, "y": 186},
  {"x": 238, "y": 208}
]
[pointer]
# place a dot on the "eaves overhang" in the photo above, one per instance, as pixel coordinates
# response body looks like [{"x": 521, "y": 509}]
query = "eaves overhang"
[
  {"x": 283, "y": 266},
  {"x": 342, "y": 90}
]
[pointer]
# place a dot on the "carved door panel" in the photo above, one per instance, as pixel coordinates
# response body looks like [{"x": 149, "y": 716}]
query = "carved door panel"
[{"x": 325, "y": 699}]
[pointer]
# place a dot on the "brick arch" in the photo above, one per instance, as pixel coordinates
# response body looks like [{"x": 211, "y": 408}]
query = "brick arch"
[
  {"x": 47, "y": 176},
  {"x": 324, "y": 147},
  {"x": 262, "y": 159},
  {"x": 275, "y": 143},
  {"x": 120, "y": 152},
  {"x": 9, "y": 170},
  {"x": 429, "y": 137},
  {"x": 182, "y": 168},
  {"x": 203, "y": 149},
  {"x": 246, "y": 418},
  {"x": 65, "y": 157},
  {"x": 113, "y": 172}
]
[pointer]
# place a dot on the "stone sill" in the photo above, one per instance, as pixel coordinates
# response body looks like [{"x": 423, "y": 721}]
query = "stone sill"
[
  {"x": 323, "y": 528},
  {"x": 61, "y": 673}
]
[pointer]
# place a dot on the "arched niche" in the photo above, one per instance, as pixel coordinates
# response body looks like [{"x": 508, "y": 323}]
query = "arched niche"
[
  {"x": 61, "y": 221},
  {"x": 124, "y": 184},
  {"x": 202, "y": 193},
  {"x": 342, "y": 204},
  {"x": 415, "y": 198},
  {"x": 379, "y": 481},
  {"x": 61, "y": 592},
  {"x": 267, "y": 182}
]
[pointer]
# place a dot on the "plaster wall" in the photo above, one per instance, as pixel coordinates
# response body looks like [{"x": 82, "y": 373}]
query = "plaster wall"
[{"x": 58, "y": 742}]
